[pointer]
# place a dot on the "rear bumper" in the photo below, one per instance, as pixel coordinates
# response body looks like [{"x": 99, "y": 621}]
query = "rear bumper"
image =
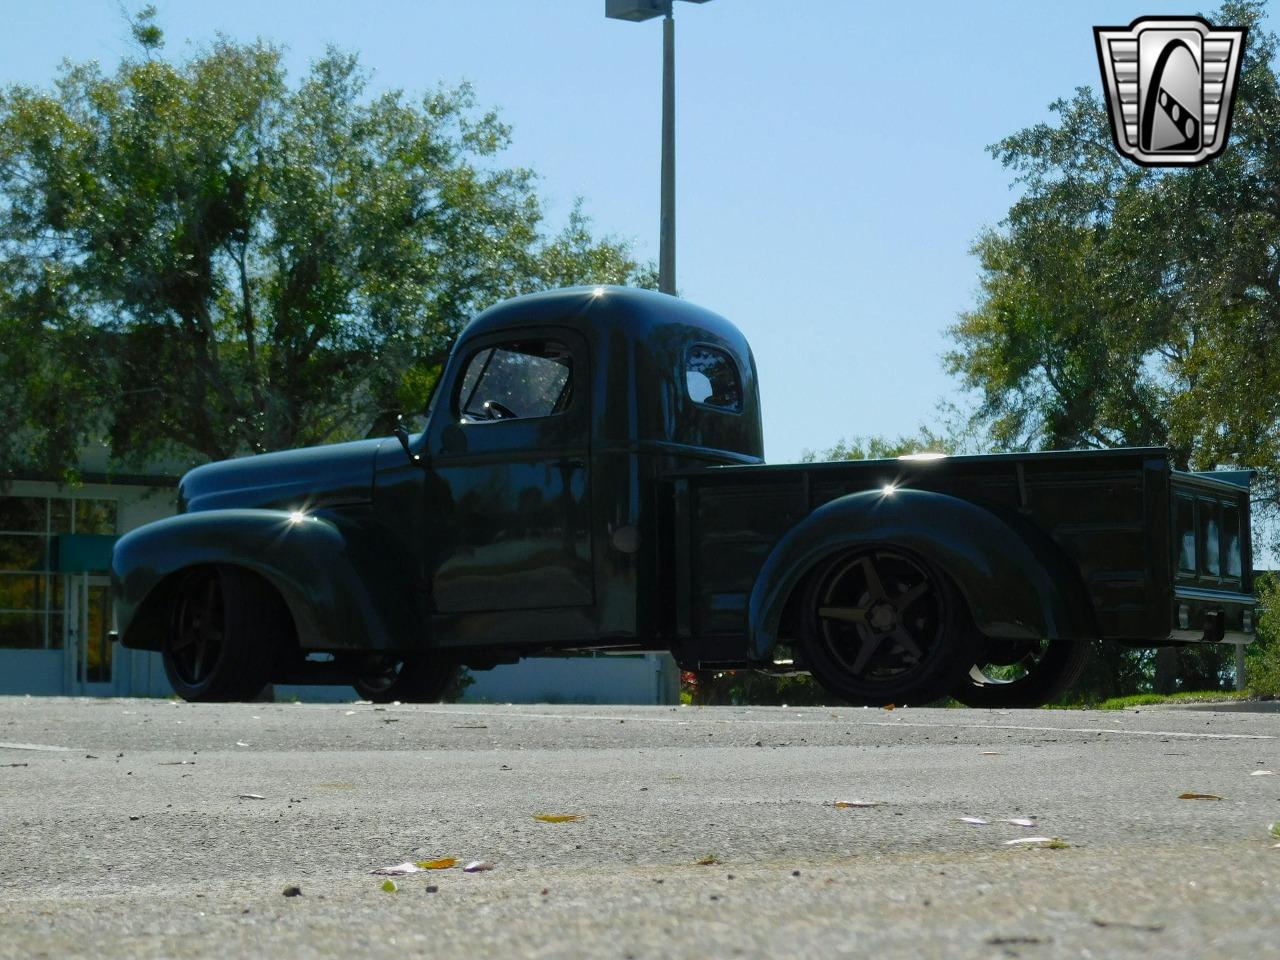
[{"x": 1212, "y": 616}]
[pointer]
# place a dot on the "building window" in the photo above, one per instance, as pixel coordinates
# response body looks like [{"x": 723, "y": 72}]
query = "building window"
[{"x": 30, "y": 589}]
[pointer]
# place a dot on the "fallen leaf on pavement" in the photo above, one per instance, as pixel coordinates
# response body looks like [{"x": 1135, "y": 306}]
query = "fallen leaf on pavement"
[
  {"x": 1199, "y": 796},
  {"x": 847, "y": 804},
  {"x": 476, "y": 866},
  {"x": 1275, "y": 830},
  {"x": 890, "y": 706},
  {"x": 399, "y": 870},
  {"x": 1021, "y": 822},
  {"x": 707, "y": 862},
  {"x": 1053, "y": 843},
  {"x": 250, "y": 796},
  {"x": 976, "y": 821},
  {"x": 992, "y": 753},
  {"x": 444, "y": 863},
  {"x": 557, "y": 817},
  {"x": 390, "y": 886}
]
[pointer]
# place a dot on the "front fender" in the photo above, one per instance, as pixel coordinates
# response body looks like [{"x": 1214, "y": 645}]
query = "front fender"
[
  {"x": 315, "y": 562},
  {"x": 1017, "y": 582}
]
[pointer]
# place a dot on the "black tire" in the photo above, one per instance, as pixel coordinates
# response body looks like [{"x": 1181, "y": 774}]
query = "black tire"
[
  {"x": 412, "y": 680},
  {"x": 1031, "y": 674},
  {"x": 223, "y": 635},
  {"x": 880, "y": 626}
]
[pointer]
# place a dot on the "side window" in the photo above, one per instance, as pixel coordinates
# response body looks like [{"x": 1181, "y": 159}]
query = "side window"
[
  {"x": 1231, "y": 539},
  {"x": 1186, "y": 533},
  {"x": 1209, "y": 538},
  {"x": 712, "y": 379},
  {"x": 517, "y": 380}
]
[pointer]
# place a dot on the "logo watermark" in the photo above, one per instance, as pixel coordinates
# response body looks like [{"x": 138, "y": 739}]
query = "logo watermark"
[{"x": 1170, "y": 83}]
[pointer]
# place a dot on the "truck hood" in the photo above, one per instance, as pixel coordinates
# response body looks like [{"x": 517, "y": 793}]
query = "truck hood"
[{"x": 339, "y": 473}]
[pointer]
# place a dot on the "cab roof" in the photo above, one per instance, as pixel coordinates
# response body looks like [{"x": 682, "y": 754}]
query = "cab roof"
[{"x": 605, "y": 310}]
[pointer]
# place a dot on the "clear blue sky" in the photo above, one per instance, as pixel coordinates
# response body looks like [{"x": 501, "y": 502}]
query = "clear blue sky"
[{"x": 831, "y": 170}]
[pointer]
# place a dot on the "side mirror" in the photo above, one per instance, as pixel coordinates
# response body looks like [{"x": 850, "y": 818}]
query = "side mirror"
[{"x": 403, "y": 436}]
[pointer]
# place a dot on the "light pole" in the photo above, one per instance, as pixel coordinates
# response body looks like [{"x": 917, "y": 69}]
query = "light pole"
[{"x": 637, "y": 10}]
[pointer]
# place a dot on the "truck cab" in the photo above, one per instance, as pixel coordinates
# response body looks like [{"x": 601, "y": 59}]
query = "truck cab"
[{"x": 533, "y": 484}]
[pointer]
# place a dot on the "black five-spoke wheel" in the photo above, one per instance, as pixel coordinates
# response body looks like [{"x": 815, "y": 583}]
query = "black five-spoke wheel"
[
  {"x": 880, "y": 627},
  {"x": 225, "y": 627}
]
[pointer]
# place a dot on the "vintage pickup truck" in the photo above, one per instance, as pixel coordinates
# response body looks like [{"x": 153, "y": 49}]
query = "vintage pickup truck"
[{"x": 591, "y": 477}]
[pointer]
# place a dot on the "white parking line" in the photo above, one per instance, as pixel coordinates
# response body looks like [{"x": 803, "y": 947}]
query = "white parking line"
[
  {"x": 32, "y": 746},
  {"x": 864, "y": 723}
]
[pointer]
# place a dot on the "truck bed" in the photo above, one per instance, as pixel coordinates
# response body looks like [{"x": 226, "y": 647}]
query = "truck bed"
[{"x": 1111, "y": 513}]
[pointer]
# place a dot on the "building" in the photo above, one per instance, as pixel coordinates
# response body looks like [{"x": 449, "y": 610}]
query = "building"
[{"x": 55, "y": 593}]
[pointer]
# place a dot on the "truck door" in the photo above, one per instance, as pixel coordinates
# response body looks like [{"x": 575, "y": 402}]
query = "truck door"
[{"x": 508, "y": 460}]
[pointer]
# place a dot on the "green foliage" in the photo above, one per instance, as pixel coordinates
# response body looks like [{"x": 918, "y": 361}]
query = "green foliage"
[
  {"x": 1122, "y": 305},
  {"x": 201, "y": 258},
  {"x": 1152, "y": 699},
  {"x": 1262, "y": 657}
]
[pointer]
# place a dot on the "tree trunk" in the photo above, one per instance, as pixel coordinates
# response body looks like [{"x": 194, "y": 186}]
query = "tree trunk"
[{"x": 1166, "y": 679}]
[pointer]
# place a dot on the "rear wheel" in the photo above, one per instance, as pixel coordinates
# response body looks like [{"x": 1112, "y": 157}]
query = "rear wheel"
[
  {"x": 222, "y": 636},
  {"x": 880, "y": 627},
  {"x": 1022, "y": 673},
  {"x": 409, "y": 680}
]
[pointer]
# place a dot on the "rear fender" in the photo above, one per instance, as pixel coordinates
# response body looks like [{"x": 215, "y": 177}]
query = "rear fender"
[
  {"x": 311, "y": 561},
  {"x": 1016, "y": 581}
]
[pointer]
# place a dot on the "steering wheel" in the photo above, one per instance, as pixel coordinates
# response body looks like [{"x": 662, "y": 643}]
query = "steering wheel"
[{"x": 498, "y": 411}]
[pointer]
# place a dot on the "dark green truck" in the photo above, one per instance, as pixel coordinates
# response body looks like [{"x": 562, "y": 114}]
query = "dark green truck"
[{"x": 591, "y": 476}]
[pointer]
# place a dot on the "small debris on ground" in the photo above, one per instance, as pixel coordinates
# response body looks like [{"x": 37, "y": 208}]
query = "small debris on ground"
[
  {"x": 1048, "y": 843},
  {"x": 476, "y": 866},
  {"x": 443, "y": 863},
  {"x": 557, "y": 817},
  {"x": 848, "y": 804},
  {"x": 976, "y": 821},
  {"x": 399, "y": 870},
  {"x": 707, "y": 861},
  {"x": 251, "y": 796},
  {"x": 293, "y": 891},
  {"x": 1199, "y": 796},
  {"x": 1124, "y": 925},
  {"x": 390, "y": 886}
]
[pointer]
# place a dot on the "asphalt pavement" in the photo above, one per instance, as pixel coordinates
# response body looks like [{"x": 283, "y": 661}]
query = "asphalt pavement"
[{"x": 142, "y": 828}]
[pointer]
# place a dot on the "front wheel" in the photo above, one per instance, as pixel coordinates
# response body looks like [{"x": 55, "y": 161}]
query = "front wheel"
[
  {"x": 409, "y": 680},
  {"x": 223, "y": 633},
  {"x": 1022, "y": 673},
  {"x": 880, "y": 626}
]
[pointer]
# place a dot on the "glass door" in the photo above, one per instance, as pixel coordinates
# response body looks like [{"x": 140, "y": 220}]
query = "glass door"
[{"x": 89, "y": 650}]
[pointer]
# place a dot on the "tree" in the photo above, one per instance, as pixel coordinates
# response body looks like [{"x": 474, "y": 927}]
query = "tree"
[
  {"x": 201, "y": 260},
  {"x": 1124, "y": 306}
]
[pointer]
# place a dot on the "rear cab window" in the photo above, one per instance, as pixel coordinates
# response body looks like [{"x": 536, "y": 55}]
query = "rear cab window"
[{"x": 711, "y": 378}]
